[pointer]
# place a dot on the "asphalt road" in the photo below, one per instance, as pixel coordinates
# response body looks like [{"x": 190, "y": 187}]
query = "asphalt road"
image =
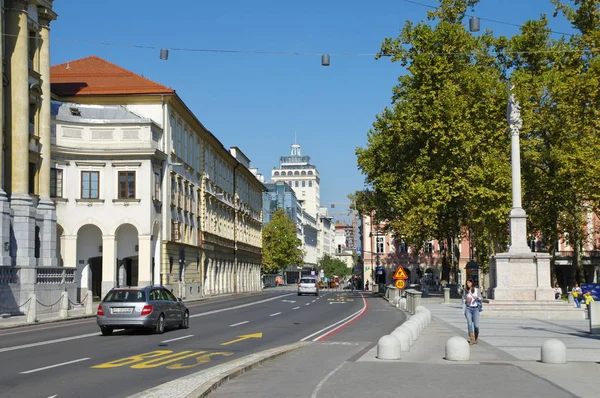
[{"x": 72, "y": 359}]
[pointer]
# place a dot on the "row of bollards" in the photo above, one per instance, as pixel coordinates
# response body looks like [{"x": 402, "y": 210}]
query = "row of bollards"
[
  {"x": 390, "y": 347},
  {"x": 63, "y": 311}
]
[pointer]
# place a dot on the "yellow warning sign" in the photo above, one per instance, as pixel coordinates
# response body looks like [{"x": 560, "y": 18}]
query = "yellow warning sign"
[
  {"x": 400, "y": 283},
  {"x": 400, "y": 273}
]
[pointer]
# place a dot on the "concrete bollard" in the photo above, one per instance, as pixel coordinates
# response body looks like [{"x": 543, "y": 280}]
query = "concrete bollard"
[
  {"x": 404, "y": 338},
  {"x": 446, "y": 295},
  {"x": 89, "y": 303},
  {"x": 426, "y": 312},
  {"x": 408, "y": 334},
  {"x": 402, "y": 303},
  {"x": 64, "y": 305},
  {"x": 457, "y": 349},
  {"x": 570, "y": 298},
  {"x": 416, "y": 301},
  {"x": 417, "y": 322},
  {"x": 594, "y": 317},
  {"x": 409, "y": 298},
  {"x": 32, "y": 309},
  {"x": 422, "y": 317},
  {"x": 413, "y": 328},
  {"x": 388, "y": 347},
  {"x": 554, "y": 351}
]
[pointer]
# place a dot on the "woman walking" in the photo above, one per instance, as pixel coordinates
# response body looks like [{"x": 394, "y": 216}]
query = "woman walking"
[
  {"x": 577, "y": 295},
  {"x": 472, "y": 299}
]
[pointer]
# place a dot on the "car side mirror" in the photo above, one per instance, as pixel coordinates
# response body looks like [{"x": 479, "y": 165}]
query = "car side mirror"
[{"x": 179, "y": 299}]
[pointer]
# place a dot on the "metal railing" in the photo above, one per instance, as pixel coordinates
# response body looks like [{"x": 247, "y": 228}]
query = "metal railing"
[{"x": 54, "y": 275}]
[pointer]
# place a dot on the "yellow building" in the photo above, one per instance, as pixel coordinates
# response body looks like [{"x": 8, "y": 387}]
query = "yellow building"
[{"x": 28, "y": 219}]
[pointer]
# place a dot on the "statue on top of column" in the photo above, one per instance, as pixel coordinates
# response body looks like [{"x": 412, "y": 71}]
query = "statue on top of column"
[{"x": 513, "y": 113}]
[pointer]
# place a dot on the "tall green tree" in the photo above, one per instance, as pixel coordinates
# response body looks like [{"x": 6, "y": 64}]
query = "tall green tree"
[
  {"x": 439, "y": 155},
  {"x": 557, "y": 83},
  {"x": 333, "y": 266},
  {"x": 281, "y": 246}
]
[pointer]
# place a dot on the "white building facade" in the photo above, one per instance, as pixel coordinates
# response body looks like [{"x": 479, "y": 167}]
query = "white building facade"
[{"x": 157, "y": 198}]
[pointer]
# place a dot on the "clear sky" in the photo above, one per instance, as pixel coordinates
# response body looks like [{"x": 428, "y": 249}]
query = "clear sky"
[{"x": 259, "y": 102}]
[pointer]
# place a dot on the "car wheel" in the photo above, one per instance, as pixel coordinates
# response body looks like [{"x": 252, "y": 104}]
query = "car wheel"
[
  {"x": 159, "y": 328},
  {"x": 185, "y": 322},
  {"x": 106, "y": 330},
  {"x": 299, "y": 294}
]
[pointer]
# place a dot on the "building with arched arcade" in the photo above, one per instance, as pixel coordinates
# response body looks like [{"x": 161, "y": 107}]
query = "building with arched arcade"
[{"x": 145, "y": 194}]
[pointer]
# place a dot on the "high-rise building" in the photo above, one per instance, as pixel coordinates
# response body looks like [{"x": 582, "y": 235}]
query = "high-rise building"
[{"x": 302, "y": 176}]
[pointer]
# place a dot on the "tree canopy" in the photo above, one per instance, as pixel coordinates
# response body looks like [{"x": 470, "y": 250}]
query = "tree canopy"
[
  {"x": 333, "y": 266},
  {"x": 281, "y": 246}
]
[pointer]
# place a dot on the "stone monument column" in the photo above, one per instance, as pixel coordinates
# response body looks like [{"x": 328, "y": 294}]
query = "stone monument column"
[{"x": 46, "y": 209}]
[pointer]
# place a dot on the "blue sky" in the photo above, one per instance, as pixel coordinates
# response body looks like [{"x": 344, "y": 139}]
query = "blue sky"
[{"x": 258, "y": 102}]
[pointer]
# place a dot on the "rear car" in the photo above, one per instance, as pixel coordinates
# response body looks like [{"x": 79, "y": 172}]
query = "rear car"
[
  {"x": 308, "y": 286},
  {"x": 151, "y": 307}
]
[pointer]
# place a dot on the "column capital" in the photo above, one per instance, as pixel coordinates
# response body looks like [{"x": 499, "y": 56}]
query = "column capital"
[
  {"x": 45, "y": 16},
  {"x": 16, "y": 5}
]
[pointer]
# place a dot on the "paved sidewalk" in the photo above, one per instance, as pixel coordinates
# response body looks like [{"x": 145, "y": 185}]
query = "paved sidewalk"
[{"x": 504, "y": 363}]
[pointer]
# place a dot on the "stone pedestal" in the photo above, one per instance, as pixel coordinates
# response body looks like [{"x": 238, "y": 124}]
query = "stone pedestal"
[
  {"x": 521, "y": 276},
  {"x": 5, "y": 218},
  {"x": 46, "y": 213}
]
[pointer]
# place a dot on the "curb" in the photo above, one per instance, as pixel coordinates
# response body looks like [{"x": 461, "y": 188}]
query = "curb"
[{"x": 202, "y": 383}]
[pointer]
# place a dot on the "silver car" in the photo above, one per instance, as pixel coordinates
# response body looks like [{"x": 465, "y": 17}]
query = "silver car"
[
  {"x": 152, "y": 307},
  {"x": 308, "y": 286}
]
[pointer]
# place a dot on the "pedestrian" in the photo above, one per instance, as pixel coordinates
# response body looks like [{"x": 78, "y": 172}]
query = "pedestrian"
[
  {"x": 577, "y": 295},
  {"x": 367, "y": 286},
  {"x": 557, "y": 291},
  {"x": 472, "y": 301},
  {"x": 588, "y": 298}
]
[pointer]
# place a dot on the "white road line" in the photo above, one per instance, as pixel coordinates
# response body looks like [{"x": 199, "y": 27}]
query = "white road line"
[
  {"x": 83, "y": 336},
  {"x": 335, "y": 325},
  {"x": 295, "y": 308},
  {"x": 307, "y": 303},
  {"x": 314, "y": 301},
  {"x": 277, "y": 313},
  {"x": 240, "y": 306},
  {"x": 54, "y": 366},
  {"x": 320, "y": 385},
  {"x": 178, "y": 338},
  {"x": 54, "y": 396},
  {"x": 238, "y": 324},
  {"x": 18, "y": 347}
]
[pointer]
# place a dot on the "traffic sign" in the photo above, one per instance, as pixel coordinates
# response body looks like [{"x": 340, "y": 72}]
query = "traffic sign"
[
  {"x": 400, "y": 283},
  {"x": 400, "y": 273}
]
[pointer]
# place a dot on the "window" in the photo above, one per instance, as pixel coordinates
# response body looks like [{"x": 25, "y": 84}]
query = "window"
[
  {"x": 56, "y": 177},
  {"x": 310, "y": 183},
  {"x": 90, "y": 184},
  {"x": 428, "y": 247},
  {"x": 179, "y": 133},
  {"x": 402, "y": 248},
  {"x": 303, "y": 184},
  {"x": 126, "y": 184},
  {"x": 380, "y": 240},
  {"x": 296, "y": 184},
  {"x": 175, "y": 230},
  {"x": 173, "y": 141},
  {"x": 303, "y": 173},
  {"x": 276, "y": 173},
  {"x": 32, "y": 177},
  {"x": 310, "y": 172},
  {"x": 296, "y": 173},
  {"x": 157, "y": 185},
  {"x": 32, "y": 47}
]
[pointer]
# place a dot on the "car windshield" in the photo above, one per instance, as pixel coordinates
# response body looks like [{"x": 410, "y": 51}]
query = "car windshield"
[
  {"x": 121, "y": 296},
  {"x": 307, "y": 280}
]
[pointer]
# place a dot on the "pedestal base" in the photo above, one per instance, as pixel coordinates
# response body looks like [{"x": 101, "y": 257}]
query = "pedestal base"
[
  {"x": 5, "y": 218},
  {"x": 537, "y": 309},
  {"x": 521, "y": 276},
  {"x": 23, "y": 241}
]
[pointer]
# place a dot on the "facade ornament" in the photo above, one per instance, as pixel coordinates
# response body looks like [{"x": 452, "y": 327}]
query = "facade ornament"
[
  {"x": 45, "y": 16},
  {"x": 16, "y": 5}
]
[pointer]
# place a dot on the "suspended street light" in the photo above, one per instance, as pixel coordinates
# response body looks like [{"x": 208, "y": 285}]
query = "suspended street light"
[
  {"x": 325, "y": 60},
  {"x": 474, "y": 24},
  {"x": 164, "y": 54}
]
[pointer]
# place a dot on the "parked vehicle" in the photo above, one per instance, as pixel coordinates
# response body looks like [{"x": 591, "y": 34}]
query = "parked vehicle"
[
  {"x": 308, "y": 286},
  {"x": 151, "y": 307}
]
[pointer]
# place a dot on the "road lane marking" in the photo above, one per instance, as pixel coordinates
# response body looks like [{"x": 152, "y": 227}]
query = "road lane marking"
[
  {"x": 275, "y": 314},
  {"x": 54, "y": 366},
  {"x": 337, "y": 324},
  {"x": 178, "y": 338},
  {"x": 66, "y": 324},
  {"x": 240, "y": 306},
  {"x": 307, "y": 303},
  {"x": 295, "y": 308},
  {"x": 238, "y": 324},
  {"x": 244, "y": 337},
  {"x": 337, "y": 302},
  {"x": 83, "y": 336},
  {"x": 313, "y": 301},
  {"x": 18, "y": 347},
  {"x": 288, "y": 301}
]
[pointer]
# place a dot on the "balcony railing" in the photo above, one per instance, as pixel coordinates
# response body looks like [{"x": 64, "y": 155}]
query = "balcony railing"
[
  {"x": 584, "y": 253},
  {"x": 9, "y": 275},
  {"x": 54, "y": 275}
]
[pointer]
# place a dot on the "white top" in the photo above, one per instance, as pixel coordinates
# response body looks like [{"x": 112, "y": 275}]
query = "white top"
[{"x": 475, "y": 297}]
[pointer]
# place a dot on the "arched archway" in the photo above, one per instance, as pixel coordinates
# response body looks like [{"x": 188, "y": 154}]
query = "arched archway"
[
  {"x": 89, "y": 260},
  {"x": 127, "y": 242}
]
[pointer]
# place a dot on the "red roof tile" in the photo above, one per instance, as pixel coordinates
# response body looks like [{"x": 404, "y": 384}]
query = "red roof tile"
[{"x": 96, "y": 76}]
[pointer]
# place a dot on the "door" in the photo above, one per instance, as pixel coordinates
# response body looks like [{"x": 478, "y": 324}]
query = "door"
[{"x": 172, "y": 307}]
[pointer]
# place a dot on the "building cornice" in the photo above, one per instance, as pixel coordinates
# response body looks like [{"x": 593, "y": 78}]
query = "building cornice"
[
  {"x": 117, "y": 153},
  {"x": 45, "y": 16},
  {"x": 16, "y": 5}
]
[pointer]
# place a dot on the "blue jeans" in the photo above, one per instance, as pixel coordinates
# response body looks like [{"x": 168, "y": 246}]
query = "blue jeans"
[
  {"x": 472, "y": 315},
  {"x": 577, "y": 302}
]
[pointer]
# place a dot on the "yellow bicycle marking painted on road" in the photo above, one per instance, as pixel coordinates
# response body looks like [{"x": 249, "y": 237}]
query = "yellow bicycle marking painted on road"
[{"x": 158, "y": 358}]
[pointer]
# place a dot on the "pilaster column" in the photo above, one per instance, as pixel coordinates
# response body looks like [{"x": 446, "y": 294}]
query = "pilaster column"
[
  {"x": 109, "y": 263},
  {"x": 144, "y": 260},
  {"x": 46, "y": 208}
]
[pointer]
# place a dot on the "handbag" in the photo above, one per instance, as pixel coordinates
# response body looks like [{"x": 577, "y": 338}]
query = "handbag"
[{"x": 480, "y": 306}]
